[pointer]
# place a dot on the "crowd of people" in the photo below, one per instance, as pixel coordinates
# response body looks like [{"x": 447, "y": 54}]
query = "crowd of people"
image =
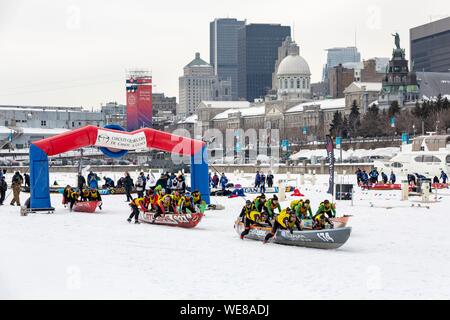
[
  {"x": 17, "y": 182},
  {"x": 364, "y": 179},
  {"x": 261, "y": 180},
  {"x": 265, "y": 212},
  {"x": 373, "y": 177}
]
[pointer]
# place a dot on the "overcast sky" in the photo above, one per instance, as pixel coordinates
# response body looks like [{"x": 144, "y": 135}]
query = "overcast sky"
[{"x": 76, "y": 52}]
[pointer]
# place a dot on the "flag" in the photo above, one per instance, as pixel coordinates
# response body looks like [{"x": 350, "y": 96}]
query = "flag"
[{"x": 330, "y": 156}]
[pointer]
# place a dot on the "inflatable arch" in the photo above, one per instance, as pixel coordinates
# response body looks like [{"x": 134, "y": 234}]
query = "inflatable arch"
[{"x": 115, "y": 141}]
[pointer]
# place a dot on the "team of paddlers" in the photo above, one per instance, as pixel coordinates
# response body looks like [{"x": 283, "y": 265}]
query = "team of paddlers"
[
  {"x": 71, "y": 196},
  {"x": 161, "y": 203},
  {"x": 262, "y": 212}
]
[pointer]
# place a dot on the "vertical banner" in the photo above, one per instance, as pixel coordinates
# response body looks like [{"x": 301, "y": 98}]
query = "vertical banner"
[
  {"x": 145, "y": 110},
  {"x": 139, "y": 101},
  {"x": 330, "y": 156},
  {"x": 132, "y": 108}
]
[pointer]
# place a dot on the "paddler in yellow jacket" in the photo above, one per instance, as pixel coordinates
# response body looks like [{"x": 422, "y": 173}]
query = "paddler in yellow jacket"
[
  {"x": 94, "y": 195},
  {"x": 136, "y": 205},
  {"x": 73, "y": 198},
  {"x": 186, "y": 203},
  {"x": 286, "y": 220},
  {"x": 197, "y": 196},
  {"x": 325, "y": 212},
  {"x": 251, "y": 218}
]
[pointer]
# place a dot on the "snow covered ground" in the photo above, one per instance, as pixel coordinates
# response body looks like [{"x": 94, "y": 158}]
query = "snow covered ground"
[{"x": 399, "y": 253}]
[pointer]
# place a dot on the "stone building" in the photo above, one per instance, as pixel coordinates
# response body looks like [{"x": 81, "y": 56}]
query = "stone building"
[
  {"x": 199, "y": 83},
  {"x": 364, "y": 93},
  {"x": 339, "y": 78},
  {"x": 399, "y": 84}
]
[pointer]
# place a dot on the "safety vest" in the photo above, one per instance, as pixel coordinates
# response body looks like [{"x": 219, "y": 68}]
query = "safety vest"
[
  {"x": 303, "y": 210},
  {"x": 86, "y": 193},
  {"x": 162, "y": 202},
  {"x": 94, "y": 194},
  {"x": 197, "y": 197},
  {"x": 74, "y": 195},
  {"x": 282, "y": 216},
  {"x": 295, "y": 203},
  {"x": 185, "y": 202},
  {"x": 137, "y": 201},
  {"x": 253, "y": 216}
]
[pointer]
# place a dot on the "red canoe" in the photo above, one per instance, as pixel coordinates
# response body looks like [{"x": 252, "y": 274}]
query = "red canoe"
[
  {"x": 86, "y": 207},
  {"x": 187, "y": 221}
]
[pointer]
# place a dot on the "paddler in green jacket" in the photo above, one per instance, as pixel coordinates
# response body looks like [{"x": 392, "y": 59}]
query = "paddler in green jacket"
[
  {"x": 258, "y": 203},
  {"x": 271, "y": 205},
  {"x": 327, "y": 208},
  {"x": 303, "y": 210}
]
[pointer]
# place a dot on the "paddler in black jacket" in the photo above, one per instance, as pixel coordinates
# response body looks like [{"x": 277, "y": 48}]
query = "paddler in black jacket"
[
  {"x": 286, "y": 220},
  {"x": 94, "y": 195}
]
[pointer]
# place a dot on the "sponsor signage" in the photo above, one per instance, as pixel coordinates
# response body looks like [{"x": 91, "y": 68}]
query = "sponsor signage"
[{"x": 121, "y": 141}]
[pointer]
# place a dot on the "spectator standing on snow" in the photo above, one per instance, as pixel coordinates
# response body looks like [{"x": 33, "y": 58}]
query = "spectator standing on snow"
[
  {"x": 393, "y": 178},
  {"x": 16, "y": 185},
  {"x": 223, "y": 181},
  {"x": 215, "y": 181},
  {"x": 359, "y": 175},
  {"x": 3, "y": 188},
  {"x": 140, "y": 185},
  {"x": 263, "y": 183},
  {"x": 81, "y": 182},
  {"x": 128, "y": 185},
  {"x": 384, "y": 177},
  {"x": 26, "y": 177},
  {"x": 163, "y": 181},
  {"x": 444, "y": 177},
  {"x": 257, "y": 180},
  {"x": 270, "y": 179},
  {"x": 93, "y": 180}
]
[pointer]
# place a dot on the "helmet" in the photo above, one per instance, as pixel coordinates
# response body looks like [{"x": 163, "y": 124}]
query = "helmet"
[
  {"x": 275, "y": 197},
  {"x": 263, "y": 196},
  {"x": 307, "y": 201},
  {"x": 248, "y": 203},
  {"x": 188, "y": 195}
]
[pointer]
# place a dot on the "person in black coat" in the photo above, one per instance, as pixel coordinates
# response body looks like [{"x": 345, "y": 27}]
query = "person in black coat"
[
  {"x": 81, "y": 182},
  {"x": 270, "y": 179},
  {"x": 128, "y": 185},
  {"x": 3, "y": 188},
  {"x": 26, "y": 176}
]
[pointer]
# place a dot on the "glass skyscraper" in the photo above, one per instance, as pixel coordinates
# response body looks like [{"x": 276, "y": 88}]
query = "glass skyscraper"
[
  {"x": 224, "y": 50},
  {"x": 337, "y": 56},
  {"x": 258, "y": 51},
  {"x": 430, "y": 46}
]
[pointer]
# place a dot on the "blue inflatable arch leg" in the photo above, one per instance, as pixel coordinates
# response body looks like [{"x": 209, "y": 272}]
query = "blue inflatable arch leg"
[
  {"x": 199, "y": 175},
  {"x": 39, "y": 179}
]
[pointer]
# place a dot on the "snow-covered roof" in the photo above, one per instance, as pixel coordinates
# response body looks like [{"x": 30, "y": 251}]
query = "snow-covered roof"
[
  {"x": 248, "y": 112},
  {"x": 346, "y": 155},
  {"x": 226, "y": 104},
  {"x": 324, "y": 105},
  {"x": 369, "y": 86},
  {"x": 43, "y": 131},
  {"x": 5, "y": 130},
  {"x": 189, "y": 120},
  {"x": 36, "y": 109}
]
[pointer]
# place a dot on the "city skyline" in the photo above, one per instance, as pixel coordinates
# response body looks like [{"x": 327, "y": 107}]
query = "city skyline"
[{"x": 75, "y": 53}]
